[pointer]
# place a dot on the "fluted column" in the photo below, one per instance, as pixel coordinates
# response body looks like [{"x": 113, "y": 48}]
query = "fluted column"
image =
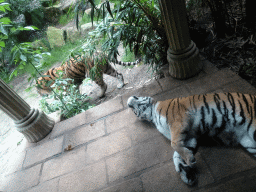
[
  {"x": 182, "y": 55},
  {"x": 33, "y": 124}
]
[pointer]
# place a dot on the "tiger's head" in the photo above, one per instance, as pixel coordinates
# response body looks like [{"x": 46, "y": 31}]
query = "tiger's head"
[{"x": 142, "y": 107}]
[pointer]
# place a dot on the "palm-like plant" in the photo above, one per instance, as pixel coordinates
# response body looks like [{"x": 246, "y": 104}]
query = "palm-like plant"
[{"x": 138, "y": 25}]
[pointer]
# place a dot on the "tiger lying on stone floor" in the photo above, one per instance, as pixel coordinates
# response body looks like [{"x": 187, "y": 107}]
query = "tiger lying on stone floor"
[
  {"x": 78, "y": 69},
  {"x": 229, "y": 117}
]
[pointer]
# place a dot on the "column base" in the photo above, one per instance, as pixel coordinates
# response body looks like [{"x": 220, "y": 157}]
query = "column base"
[
  {"x": 184, "y": 64},
  {"x": 35, "y": 126}
]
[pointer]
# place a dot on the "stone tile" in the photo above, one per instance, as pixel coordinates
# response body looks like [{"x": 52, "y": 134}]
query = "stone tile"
[
  {"x": 104, "y": 109},
  {"x": 211, "y": 82},
  {"x": 147, "y": 90},
  {"x": 88, "y": 116},
  {"x": 177, "y": 92},
  {"x": 209, "y": 68},
  {"x": 226, "y": 161},
  {"x": 90, "y": 178},
  {"x": 135, "y": 128},
  {"x": 241, "y": 86},
  {"x": 120, "y": 120},
  {"x": 205, "y": 176},
  {"x": 127, "y": 186},
  {"x": 242, "y": 184},
  {"x": 66, "y": 163},
  {"x": 69, "y": 124},
  {"x": 49, "y": 186},
  {"x": 85, "y": 134},
  {"x": 141, "y": 131},
  {"x": 169, "y": 83},
  {"x": 147, "y": 154},
  {"x": 165, "y": 178},
  {"x": 12, "y": 162},
  {"x": 21, "y": 180},
  {"x": 43, "y": 151},
  {"x": 108, "y": 145}
]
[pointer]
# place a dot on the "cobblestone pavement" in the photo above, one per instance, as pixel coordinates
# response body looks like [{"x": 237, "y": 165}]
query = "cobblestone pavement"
[{"x": 112, "y": 150}]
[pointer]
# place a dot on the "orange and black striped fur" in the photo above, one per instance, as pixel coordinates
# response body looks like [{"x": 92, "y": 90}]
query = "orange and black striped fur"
[
  {"x": 228, "y": 117},
  {"x": 79, "y": 68}
]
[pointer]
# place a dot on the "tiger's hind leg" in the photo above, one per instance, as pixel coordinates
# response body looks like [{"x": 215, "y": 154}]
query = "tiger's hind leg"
[
  {"x": 109, "y": 70},
  {"x": 187, "y": 173},
  {"x": 186, "y": 165},
  {"x": 249, "y": 143}
]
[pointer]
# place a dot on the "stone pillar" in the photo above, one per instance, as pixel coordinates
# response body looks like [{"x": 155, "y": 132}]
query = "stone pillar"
[
  {"x": 34, "y": 125},
  {"x": 182, "y": 55}
]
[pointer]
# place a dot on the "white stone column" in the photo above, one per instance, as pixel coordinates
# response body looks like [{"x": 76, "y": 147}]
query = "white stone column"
[
  {"x": 182, "y": 55},
  {"x": 33, "y": 124}
]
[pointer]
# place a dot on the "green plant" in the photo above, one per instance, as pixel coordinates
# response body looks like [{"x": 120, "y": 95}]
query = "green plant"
[
  {"x": 138, "y": 25},
  {"x": 59, "y": 54},
  {"x": 27, "y": 59},
  {"x": 19, "y": 53},
  {"x": 66, "y": 18},
  {"x": 69, "y": 100},
  {"x": 30, "y": 9}
]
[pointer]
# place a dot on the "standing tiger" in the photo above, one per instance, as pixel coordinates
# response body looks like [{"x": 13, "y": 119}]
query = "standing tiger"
[
  {"x": 78, "y": 68},
  {"x": 229, "y": 117}
]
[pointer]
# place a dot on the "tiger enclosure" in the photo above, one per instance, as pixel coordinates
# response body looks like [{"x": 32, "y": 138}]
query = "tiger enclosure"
[{"x": 37, "y": 35}]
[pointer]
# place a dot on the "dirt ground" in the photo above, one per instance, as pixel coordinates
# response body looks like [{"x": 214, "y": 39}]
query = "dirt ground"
[{"x": 10, "y": 139}]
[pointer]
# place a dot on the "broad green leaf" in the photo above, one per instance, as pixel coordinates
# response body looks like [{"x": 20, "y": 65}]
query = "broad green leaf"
[
  {"x": 14, "y": 73},
  {"x": 28, "y": 89},
  {"x": 32, "y": 28},
  {"x": 2, "y": 44},
  {"x": 23, "y": 57},
  {"x": 5, "y": 20},
  {"x": 2, "y": 29},
  {"x": 2, "y": 8},
  {"x": 21, "y": 67}
]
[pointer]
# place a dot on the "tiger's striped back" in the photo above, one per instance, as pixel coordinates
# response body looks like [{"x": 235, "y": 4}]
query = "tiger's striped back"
[{"x": 212, "y": 112}]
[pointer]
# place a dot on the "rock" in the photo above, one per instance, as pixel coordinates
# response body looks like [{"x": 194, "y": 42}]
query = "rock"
[
  {"x": 39, "y": 43},
  {"x": 65, "y": 4},
  {"x": 56, "y": 116},
  {"x": 55, "y": 37},
  {"x": 52, "y": 13},
  {"x": 86, "y": 28},
  {"x": 72, "y": 34},
  {"x": 88, "y": 11}
]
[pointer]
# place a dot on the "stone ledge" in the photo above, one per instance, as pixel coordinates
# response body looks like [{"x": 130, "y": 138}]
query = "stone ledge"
[
  {"x": 87, "y": 117},
  {"x": 39, "y": 153},
  {"x": 85, "y": 134},
  {"x": 147, "y": 154},
  {"x": 64, "y": 164},
  {"x": 21, "y": 180},
  {"x": 90, "y": 178}
]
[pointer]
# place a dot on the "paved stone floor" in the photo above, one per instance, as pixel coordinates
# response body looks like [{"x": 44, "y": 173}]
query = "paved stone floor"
[{"x": 112, "y": 150}]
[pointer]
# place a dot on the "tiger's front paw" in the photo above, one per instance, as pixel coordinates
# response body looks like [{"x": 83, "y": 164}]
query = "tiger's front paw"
[{"x": 187, "y": 173}]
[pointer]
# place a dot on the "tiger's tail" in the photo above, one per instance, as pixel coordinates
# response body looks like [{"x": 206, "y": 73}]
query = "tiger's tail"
[{"x": 126, "y": 63}]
